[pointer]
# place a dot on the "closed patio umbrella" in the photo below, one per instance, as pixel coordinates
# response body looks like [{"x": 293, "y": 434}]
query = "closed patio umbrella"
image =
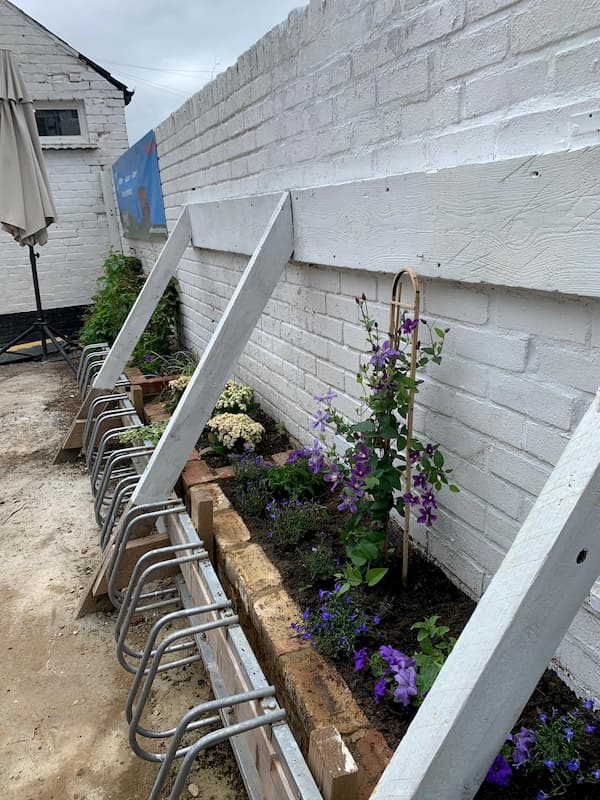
[{"x": 26, "y": 206}]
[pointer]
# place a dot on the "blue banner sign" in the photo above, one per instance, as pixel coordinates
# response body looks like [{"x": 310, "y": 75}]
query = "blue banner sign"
[{"x": 139, "y": 194}]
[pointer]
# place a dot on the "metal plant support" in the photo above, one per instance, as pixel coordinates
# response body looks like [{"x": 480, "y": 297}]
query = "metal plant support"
[{"x": 397, "y": 309}]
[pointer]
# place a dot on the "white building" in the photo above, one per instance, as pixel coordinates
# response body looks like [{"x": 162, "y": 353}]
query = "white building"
[{"x": 81, "y": 117}]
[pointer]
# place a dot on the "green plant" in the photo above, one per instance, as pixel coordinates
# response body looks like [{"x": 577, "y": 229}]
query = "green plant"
[
  {"x": 293, "y": 480},
  {"x": 174, "y": 392},
  {"x": 118, "y": 287},
  {"x": 249, "y": 474},
  {"x": 229, "y": 432},
  {"x": 369, "y": 474},
  {"x": 337, "y": 624},
  {"x": 291, "y": 520},
  {"x": 319, "y": 560},
  {"x": 151, "y": 433},
  {"x": 181, "y": 362},
  {"x": 434, "y": 647}
]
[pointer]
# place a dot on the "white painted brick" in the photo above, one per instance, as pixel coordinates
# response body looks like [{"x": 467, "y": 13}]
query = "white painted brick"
[
  {"x": 435, "y": 22},
  {"x": 465, "y": 572},
  {"x": 340, "y": 307},
  {"x": 492, "y": 420},
  {"x": 404, "y": 82},
  {"x": 439, "y": 111},
  {"x": 547, "y": 317},
  {"x": 342, "y": 356},
  {"x": 453, "y": 436},
  {"x": 353, "y": 100},
  {"x": 578, "y": 67},
  {"x": 465, "y": 375},
  {"x": 507, "y": 352},
  {"x": 575, "y": 368},
  {"x": 505, "y": 88},
  {"x": 398, "y": 157},
  {"x": 454, "y": 301},
  {"x": 478, "y": 9},
  {"x": 549, "y": 130},
  {"x": 371, "y": 55},
  {"x": 547, "y": 21},
  {"x": 522, "y": 472},
  {"x": 468, "y": 53},
  {"x": 545, "y": 443},
  {"x": 333, "y": 75},
  {"x": 540, "y": 401},
  {"x": 473, "y": 145},
  {"x": 500, "y": 529},
  {"x": 493, "y": 490}
]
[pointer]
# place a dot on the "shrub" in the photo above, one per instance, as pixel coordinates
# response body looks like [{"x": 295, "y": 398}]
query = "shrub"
[
  {"x": 119, "y": 286},
  {"x": 151, "y": 432},
  {"x": 249, "y": 473},
  {"x": 319, "y": 560}
]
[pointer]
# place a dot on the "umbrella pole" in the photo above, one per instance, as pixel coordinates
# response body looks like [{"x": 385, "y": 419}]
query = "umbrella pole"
[
  {"x": 40, "y": 326},
  {"x": 41, "y": 319}
]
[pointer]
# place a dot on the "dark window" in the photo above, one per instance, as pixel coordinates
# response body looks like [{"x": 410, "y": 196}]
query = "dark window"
[{"x": 58, "y": 122}]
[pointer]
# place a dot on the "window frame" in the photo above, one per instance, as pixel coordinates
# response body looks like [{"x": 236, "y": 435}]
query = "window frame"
[{"x": 65, "y": 105}]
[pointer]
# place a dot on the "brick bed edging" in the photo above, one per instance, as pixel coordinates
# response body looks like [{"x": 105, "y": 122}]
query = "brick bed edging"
[{"x": 317, "y": 699}]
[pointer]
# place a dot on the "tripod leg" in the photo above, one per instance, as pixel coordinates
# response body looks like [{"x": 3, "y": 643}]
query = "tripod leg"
[
  {"x": 61, "y": 350},
  {"x": 66, "y": 339},
  {"x": 19, "y": 338}
]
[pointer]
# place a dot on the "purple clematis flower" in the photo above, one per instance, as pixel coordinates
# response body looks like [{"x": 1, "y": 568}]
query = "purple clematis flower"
[
  {"x": 382, "y": 354},
  {"x": 410, "y": 499},
  {"x": 408, "y": 325},
  {"x": 420, "y": 480},
  {"x": 319, "y": 420},
  {"x": 325, "y": 398},
  {"x": 426, "y": 517}
]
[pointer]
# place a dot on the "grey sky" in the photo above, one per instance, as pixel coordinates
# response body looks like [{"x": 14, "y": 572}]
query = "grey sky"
[{"x": 180, "y": 44}]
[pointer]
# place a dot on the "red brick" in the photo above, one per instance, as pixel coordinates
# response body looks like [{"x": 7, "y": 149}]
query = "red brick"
[
  {"x": 373, "y": 756},
  {"x": 225, "y": 472},
  {"x": 196, "y": 472}
]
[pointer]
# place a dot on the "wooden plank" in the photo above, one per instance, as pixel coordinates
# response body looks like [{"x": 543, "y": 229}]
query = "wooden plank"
[
  {"x": 530, "y": 222},
  {"x": 144, "y": 306},
  {"x": 110, "y": 207},
  {"x": 332, "y": 765},
  {"x": 235, "y": 225},
  {"x": 220, "y": 356},
  {"x": 511, "y": 637}
]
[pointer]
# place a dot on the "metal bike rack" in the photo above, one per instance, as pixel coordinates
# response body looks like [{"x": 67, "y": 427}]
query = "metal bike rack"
[
  {"x": 113, "y": 471},
  {"x": 120, "y": 497},
  {"x": 101, "y": 453},
  {"x": 134, "y": 594},
  {"x": 89, "y": 352}
]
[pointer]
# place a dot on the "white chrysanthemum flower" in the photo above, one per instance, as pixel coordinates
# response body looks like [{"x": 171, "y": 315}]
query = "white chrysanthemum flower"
[{"x": 232, "y": 429}]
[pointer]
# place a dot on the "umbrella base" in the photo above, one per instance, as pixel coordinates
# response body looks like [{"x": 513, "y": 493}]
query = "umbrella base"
[{"x": 42, "y": 332}]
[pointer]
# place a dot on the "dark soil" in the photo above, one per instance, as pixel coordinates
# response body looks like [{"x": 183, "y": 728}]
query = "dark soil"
[
  {"x": 274, "y": 440},
  {"x": 430, "y": 592}
]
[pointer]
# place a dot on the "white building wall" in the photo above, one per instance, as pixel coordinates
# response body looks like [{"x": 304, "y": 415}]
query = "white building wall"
[
  {"x": 347, "y": 89},
  {"x": 70, "y": 263}
]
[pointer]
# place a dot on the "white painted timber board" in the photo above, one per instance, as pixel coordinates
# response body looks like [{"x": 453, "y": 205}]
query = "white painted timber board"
[
  {"x": 234, "y": 226},
  {"x": 220, "y": 357},
  {"x": 511, "y": 637},
  {"x": 108, "y": 195},
  {"x": 530, "y": 222},
  {"x": 146, "y": 302}
]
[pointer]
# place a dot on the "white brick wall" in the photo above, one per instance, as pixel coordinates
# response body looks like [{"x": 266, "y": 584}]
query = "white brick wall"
[
  {"x": 360, "y": 88},
  {"x": 77, "y": 243}
]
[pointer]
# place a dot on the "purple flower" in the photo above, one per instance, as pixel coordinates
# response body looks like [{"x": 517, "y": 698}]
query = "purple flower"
[
  {"x": 408, "y": 325},
  {"x": 414, "y": 456},
  {"x": 147, "y": 359},
  {"x": 543, "y": 718},
  {"x": 380, "y": 689},
  {"x": 394, "y": 658},
  {"x": 306, "y": 613},
  {"x": 429, "y": 449},
  {"x": 420, "y": 480},
  {"x": 428, "y": 499},
  {"x": 360, "y": 659},
  {"x": 406, "y": 680},
  {"x": 589, "y": 728},
  {"x": 588, "y": 705},
  {"x": 568, "y": 733},
  {"x": 522, "y": 740},
  {"x": 572, "y": 764},
  {"x": 316, "y": 462},
  {"x": 410, "y": 499},
  {"x": 348, "y": 503},
  {"x": 499, "y": 773},
  {"x": 325, "y": 398},
  {"x": 426, "y": 517},
  {"x": 549, "y": 763},
  {"x": 541, "y": 795},
  {"x": 383, "y": 354},
  {"x": 319, "y": 420},
  {"x": 376, "y": 620},
  {"x": 596, "y": 774}
]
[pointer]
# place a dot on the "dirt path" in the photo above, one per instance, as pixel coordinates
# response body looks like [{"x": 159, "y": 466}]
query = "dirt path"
[{"x": 62, "y": 730}]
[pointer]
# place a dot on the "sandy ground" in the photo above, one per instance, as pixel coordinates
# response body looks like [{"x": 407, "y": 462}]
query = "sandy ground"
[{"x": 62, "y": 730}]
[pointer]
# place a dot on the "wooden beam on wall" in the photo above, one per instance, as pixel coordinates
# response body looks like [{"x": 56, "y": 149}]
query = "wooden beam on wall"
[
  {"x": 531, "y": 222},
  {"x": 218, "y": 361}
]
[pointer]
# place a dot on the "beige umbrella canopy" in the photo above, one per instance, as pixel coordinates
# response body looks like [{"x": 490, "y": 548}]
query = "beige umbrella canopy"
[{"x": 26, "y": 207}]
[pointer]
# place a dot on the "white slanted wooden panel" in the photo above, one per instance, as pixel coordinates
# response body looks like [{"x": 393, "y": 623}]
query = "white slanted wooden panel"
[
  {"x": 221, "y": 355},
  {"x": 233, "y": 226},
  {"x": 144, "y": 306},
  {"x": 511, "y": 637},
  {"x": 528, "y": 222}
]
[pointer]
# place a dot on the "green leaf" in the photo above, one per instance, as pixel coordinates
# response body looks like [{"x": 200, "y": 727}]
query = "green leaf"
[
  {"x": 453, "y": 488},
  {"x": 438, "y": 459},
  {"x": 374, "y": 575}
]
